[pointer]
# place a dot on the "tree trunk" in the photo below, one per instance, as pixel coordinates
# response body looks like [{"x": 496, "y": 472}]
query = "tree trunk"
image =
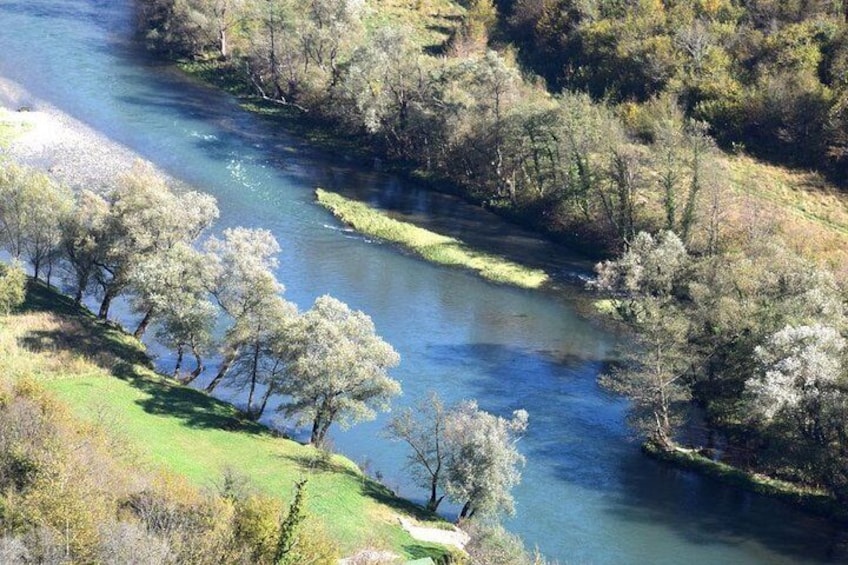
[
  {"x": 435, "y": 500},
  {"x": 222, "y": 371},
  {"x": 253, "y": 375},
  {"x": 104, "y": 306},
  {"x": 198, "y": 367},
  {"x": 265, "y": 397},
  {"x": 142, "y": 325},
  {"x": 466, "y": 511},
  {"x": 179, "y": 363},
  {"x": 315, "y": 436},
  {"x": 222, "y": 36}
]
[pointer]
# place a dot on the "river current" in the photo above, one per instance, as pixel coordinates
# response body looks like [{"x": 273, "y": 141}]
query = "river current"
[{"x": 588, "y": 494}]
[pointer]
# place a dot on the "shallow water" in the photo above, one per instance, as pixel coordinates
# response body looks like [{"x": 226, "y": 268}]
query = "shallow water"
[{"x": 588, "y": 494}]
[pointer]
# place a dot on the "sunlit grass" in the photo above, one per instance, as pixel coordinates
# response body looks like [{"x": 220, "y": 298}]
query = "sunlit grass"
[
  {"x": 11, "y": 126},
  {"x": 104, "y": 375},
  {"x": 431, "y": 246},
  {"x": 430, "y": 22},
  {"x": 810, "y": 213}
]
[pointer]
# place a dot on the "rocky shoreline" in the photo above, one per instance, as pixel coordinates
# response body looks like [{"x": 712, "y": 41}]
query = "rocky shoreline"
[{"x": 52, "y": 141}]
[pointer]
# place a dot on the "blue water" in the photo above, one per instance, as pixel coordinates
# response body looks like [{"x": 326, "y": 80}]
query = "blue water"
[{"x": 588, "y": 494}]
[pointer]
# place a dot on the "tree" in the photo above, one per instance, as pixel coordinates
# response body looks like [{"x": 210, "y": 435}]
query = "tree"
[
  {"x": 172, "y": 285},
  {"x": 192, "y": 213},
  {"x": 32, "y": 210},
  {"x": 655, "y": 371},
  {"x": 243, "y": 283},
  {"x": 482, "y": 462},
  {"x": 799, "y": 367},
  {"x": 462, "y": 453},
  {"x": 799, "y": 394},
  {"x": 265, "y": 354},
  {"x": 338, "y": 368},
  {"x": 138, "y": 218},
  {"x": 81, "y": 237},
  {"x": 423, "y": 430}
]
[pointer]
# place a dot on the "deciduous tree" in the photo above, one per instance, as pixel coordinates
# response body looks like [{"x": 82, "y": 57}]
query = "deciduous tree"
[{"x": 339, "y": 368}]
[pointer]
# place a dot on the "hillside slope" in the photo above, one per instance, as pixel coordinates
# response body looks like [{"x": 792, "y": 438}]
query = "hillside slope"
[{"x": 104, "y": 376}]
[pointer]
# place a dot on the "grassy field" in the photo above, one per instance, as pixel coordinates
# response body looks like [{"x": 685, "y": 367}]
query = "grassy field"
[
  {"x": 810, "y": 213},
  {"x": 431, "y": 22},
  {"x": 104, "y": 376},
  {"x": 431, "y": 246}
]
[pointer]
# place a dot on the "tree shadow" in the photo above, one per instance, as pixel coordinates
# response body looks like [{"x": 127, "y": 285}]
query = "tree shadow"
[{"x": 78, "y": 332}]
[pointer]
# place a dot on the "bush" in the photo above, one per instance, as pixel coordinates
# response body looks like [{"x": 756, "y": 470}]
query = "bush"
[{"x": 12, "y": 287}]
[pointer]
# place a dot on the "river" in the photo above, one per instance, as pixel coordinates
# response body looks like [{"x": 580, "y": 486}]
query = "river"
[{"x": 588, "y": 494}]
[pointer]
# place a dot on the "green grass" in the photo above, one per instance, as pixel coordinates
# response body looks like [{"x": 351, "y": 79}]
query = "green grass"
[
  {"x": 431, "y": 246},
  {"x": 430, "y": 22},
  {"x": 104, "y": 376}
]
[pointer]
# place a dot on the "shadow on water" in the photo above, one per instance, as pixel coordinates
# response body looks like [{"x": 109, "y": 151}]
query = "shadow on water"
[{"x": 576, "y": 439}]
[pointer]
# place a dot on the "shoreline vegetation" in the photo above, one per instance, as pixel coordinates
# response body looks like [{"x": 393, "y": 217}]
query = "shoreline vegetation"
[
  {"x": 105, "y": 378},
  {"x": 99, "y": 371},
  {"x": 433, "y": 247},
  {"x": 814, "y": 501}
]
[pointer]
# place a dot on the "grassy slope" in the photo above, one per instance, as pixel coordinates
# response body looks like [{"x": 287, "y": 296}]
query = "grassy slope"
[
  {"x": 811, "y": 213},
  {"x": 103, "y": 375},
  {"x": 429, "y": 245}
]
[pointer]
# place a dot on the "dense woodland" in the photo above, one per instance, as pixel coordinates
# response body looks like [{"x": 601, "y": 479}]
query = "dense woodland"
[{"x": 601, "y": 122}]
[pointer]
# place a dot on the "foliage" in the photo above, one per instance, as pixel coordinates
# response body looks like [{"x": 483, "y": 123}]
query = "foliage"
[
  {"x": 338, "y": 369},
  {"x": 12, "y": 287},
  {"x": 32, "y": 213},
  {"x": 462, "y": 453},
  {"x": 490, "y": 543}
]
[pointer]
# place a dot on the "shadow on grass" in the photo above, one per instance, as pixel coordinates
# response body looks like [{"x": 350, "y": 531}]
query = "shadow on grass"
[{"x": 79, "y": 332}]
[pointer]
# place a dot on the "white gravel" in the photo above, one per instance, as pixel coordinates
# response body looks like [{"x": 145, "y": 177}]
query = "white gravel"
[{"x": 66, "y": 148}]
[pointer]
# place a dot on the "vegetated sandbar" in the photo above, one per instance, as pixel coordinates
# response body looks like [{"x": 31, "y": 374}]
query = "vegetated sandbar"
[{"x": 429, "y": 245}]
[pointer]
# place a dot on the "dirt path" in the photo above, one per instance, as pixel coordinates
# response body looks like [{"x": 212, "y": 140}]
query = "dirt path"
[{"x": 453, "y": 537}]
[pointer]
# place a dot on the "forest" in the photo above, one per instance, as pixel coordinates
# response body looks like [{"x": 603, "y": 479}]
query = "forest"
[{"x": 620, "y": 127}]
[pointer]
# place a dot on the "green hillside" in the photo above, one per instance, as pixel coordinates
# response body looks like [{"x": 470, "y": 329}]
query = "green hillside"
[{"x": 103, "y": 375}]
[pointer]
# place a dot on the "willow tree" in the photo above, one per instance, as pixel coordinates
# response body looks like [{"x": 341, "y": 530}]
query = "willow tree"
[
  {"x": 338, "y": 370},
  {"x": 242, "y": 281},
  {"x": 463, "y": 453},
  {"x": 656, "y": 369},
  {"x": 33, "y": 210},
  {"x": 137, "y": 219}
]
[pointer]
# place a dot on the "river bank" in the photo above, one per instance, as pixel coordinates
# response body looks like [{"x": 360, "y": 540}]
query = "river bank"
[
  {"x": 46, "y": 139},
  {"x": 56, "y": 143}
]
